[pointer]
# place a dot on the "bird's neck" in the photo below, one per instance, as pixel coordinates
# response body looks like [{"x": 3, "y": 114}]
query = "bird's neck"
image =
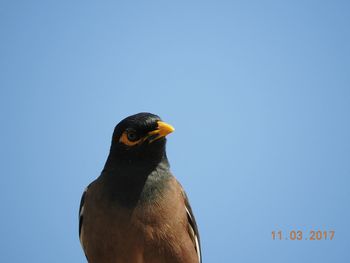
[{"x": 129, "y": 183}]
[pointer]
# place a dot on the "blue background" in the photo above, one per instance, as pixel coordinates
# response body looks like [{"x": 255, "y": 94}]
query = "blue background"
[{"x": 258, "y": 91}]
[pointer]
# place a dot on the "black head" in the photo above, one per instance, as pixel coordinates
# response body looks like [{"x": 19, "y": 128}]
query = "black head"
[{"x": 139, "y": 139}]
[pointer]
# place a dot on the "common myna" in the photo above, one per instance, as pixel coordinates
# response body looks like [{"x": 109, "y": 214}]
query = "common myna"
[{"x": 136, "y": 211}]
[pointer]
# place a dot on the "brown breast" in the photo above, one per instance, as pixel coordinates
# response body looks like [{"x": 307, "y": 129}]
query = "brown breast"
[{"x": 154, "y": 232}]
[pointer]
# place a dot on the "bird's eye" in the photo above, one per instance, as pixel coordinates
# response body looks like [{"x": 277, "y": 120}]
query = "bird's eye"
[{"x": 132, "y": 136}]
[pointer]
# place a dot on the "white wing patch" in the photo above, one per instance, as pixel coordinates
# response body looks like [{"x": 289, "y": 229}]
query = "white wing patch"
[{"x": 193, "y": 233}]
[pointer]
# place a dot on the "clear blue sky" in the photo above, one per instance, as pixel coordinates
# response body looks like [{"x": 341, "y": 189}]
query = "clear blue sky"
[{"x": 258, "y": 91}]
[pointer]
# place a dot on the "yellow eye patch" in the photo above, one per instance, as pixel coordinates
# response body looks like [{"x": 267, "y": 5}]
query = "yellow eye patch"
[
  {"x": 125, "y": 140},
  {"x": 131, "y": 138}
]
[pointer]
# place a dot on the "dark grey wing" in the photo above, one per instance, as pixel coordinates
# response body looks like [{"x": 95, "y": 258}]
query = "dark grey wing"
[
  {"x": 81, "y": 211},
  {"x": 81, "y": 217},
  {"x": 192, "y": 227}
]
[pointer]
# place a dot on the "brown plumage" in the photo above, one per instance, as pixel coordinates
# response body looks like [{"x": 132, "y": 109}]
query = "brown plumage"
[{"x": 136, "y": 211}]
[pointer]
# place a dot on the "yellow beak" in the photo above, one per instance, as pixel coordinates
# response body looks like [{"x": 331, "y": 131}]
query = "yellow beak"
[{"x": 162, "y": 130}]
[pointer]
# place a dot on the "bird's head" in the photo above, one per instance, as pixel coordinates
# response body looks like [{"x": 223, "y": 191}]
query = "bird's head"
[{"x": 140, "y": 138}]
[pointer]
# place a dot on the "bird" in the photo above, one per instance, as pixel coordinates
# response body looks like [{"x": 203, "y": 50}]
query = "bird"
[{"x": 136, "y": 211}]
